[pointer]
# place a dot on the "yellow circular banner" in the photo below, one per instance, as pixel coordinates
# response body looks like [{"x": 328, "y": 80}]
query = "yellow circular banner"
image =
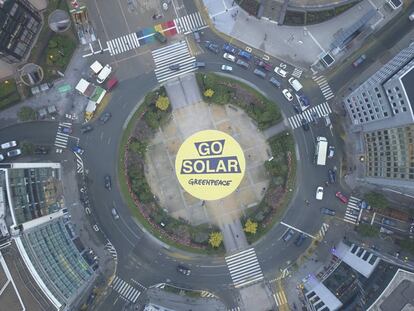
[{"x": 210, "y": 165}]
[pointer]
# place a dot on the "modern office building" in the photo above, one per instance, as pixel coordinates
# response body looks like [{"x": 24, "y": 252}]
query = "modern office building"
[
  {"x": 382, "y": 109},
  {"x": 19, "y": 24}
]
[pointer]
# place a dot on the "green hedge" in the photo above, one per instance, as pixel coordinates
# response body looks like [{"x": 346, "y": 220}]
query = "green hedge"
[
  {"x": 229, "y": 91},
  {"x": 8, "y": 94}
]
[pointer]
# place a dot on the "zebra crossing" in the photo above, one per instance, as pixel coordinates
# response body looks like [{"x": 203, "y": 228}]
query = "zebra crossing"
[
  {"x": 324, "y": 86},
  {"x": 206, "y": 294},
  {"x": 189, "y": 23},
  {"x": 244, "y": 268},
  {"x": 111, "y": 250},
  {"x": 320, "y": 110},
  {"x": 124, "y": 289},
  {"x": 280, "y": 298},
  {"x": 123, "y": 44},
  {"x": 61, "y": 139},
  {"x": 234, "y": 309},
  {"x": 322, "y": 231},
  {"x": 79, "y": 164},
  {"x": 174, "y": 54},
  {"x": 352, "y": 211},
  {"x": 297, "y": 72}
]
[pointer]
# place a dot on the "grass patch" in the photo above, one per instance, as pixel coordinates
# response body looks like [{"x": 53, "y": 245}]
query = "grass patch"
[
  {"x": 138, "y": 116},
  {"x": 282, "y": 170},
  {"x": 8, "y": 93},
  {"x": 229, "y": 91},
  {"x": 250, "y": 6},
  {"x": 61, "y": 49},
  {"x": 294, "y": 18},
  {"x": 341, "y": 9},
  {"x": 316, "y": 17},
  {"x": 182, "y": 291}
]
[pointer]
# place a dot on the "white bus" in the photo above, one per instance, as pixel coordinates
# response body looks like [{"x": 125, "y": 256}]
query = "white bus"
[{"x": 321, "y": 150}]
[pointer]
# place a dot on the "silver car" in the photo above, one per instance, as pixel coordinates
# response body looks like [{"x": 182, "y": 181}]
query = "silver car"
[{"x": 9, "y": 144}]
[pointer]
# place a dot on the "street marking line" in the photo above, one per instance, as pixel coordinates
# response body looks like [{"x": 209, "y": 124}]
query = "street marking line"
[{"x": 296, "y": 229}]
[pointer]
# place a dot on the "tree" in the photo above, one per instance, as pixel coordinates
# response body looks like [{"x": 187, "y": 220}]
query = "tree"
[
  {"x": 250, "y": 226},
  {"x": 26, "y": 114},
  {"x": 376, "y": 200},
  {"x": 215, "y": 239},
  {"x": 162, "y": 103},
  {"x": 28, "y": 148},
  {"x": 209, "y": 93}
]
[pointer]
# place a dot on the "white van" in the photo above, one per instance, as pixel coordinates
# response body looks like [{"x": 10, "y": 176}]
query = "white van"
[
  {"x": 104, "y": 74},
  {"x": 295, "y": 84},
  {"x": 96, "y": 67}
]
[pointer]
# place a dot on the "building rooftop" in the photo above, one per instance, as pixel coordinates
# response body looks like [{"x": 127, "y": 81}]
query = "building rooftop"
[
  {"x": 398, "y": 295},
  {"x": 407, "y": 80}
]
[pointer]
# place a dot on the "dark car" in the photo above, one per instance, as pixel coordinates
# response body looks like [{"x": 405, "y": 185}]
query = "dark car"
[
  {"x": 332, "y": 176},
  {"x": 300, "y": 239},
  {"x": 387, "y": 221},
  {"x": 213, "y": 47},
  {"x": 199, "y": 64},
  {"x": 41, "y": 150},
  {"x": 341, "y": 197},
  {"x": 327, "y": 211},
  {"x": 260, "y": 73},
  {"x": 105, "y": 117},
  {"x": 288, "y": 235},
  {"x": 174, "y": 67},
  {"x": 305, "y": 124},
  {"x": 359, "y": 60},
  {"x": 184, "y": 270},
  {"x": 86, "y": 128},
  {"x": 65, "y": 130},
  {"x": 243, "y": 64},
  {"x": 230, "y": 49},
  {"x": 160, "y": 37},
  {"x": 275, "y": 82},
  {"x": 108, "y": 183},
  {"x": 245, "y": 55},
  {"x": 265, "y": 65}
]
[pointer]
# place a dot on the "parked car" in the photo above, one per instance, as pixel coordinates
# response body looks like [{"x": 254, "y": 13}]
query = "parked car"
[
  {"x": 64, "y": 130},
  {"x": 305, "y": 124},
  {"x": 199, "y": 64},
  {"x": 341, "y": 197},
  {"x": 275, "y": 82},
  {"x": 319, "y": 193},
  {"x": 331, "y": 176},
  {"x": 105, "y": 117},
  {"x": 174, "y": 67},
  {"x": 229, "y": 57},
  {"x": 245, "y": 55},
  {"x": 227, "y": 47},
  {"x": 359, "y": 60},
  {"x": 226, "y": 68},
  {"x": 108, "y": 182},
  {"x": 265, "y": 65},
  {"x": 104, "y": 74},
  {"x": 287, "y": 95},
  {"x": 387, "y": 221},
  {"x": 183, "y": 270},
  {"x": 363, "y": 205},
  {"x": 1, "y": 157},
  {"x": 14, "y": 153},
  {"x": 9, "y": 144},
  {"x": 111, "y": 83},
  {"x": 41, "y": 150},
  {"x": 160, "y": 37},
  {"x": 197, "y": 36},
  {"x": 297, "y": 86},
  {"x": 327, "y": 211},
  {"x": 86, "y": 128},
  {"x": 386, "y": 231},
  {"x": 114, "y": 213},
  {"x": 300, "y": 239},
  {"x": 259, "y": 73},
  {"x": 242, "y": 63},
  {"x": 288, "y": 235},
  {"x": 212, "y": 47},
  {"x": 411, "y": 17},
  {"x": 331, "y": 152},
  {"x": 281, "y": 72},
  {"x": 78, "y": 150}
]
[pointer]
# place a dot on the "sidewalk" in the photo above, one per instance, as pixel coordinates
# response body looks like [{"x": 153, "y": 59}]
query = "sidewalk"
[
  {"x": 66, "y": 103},
  {"x": 297, "y": 45}
]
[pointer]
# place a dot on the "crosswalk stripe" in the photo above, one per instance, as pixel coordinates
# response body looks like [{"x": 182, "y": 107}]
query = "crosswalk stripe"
[
  {"x": 244, "y": 268},
  {"x": 321, "y": 110},
  {"x": 189, "y": 23},
  {"x": 124, "y": 289},
  {"x": 134, "y": 298}
]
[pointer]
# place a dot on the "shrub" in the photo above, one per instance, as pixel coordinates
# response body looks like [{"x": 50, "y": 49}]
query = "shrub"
[
  {"x": 250, "y": 226},
  {"x": 26, "y": 114},
  {"x": 215, "y": 239},
  {"x": 367, "y": 230},
  {"x": 376, "y": 200},
  {"x": 138, "y": 147},
  {"x": 162, "y": 103},
  {"x": 209, "y": 93}
]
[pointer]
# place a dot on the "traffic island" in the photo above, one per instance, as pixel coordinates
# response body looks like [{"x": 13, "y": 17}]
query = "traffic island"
[{"x": 151, "y": 173}]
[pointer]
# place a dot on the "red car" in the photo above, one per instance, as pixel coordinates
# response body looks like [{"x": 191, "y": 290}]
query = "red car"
[
  {"x": 341, "y": 197},
  {"x": 264, "y": 65}
]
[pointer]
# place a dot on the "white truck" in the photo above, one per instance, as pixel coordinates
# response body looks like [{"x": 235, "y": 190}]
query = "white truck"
[{"x": 321, "y": 150}]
